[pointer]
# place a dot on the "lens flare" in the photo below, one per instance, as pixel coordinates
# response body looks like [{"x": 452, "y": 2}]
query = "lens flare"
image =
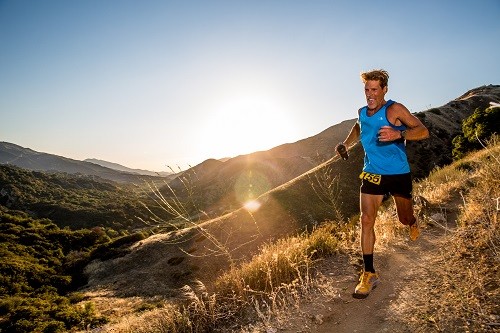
[
  {"x": 252, "y": 205},
  {"x": 250, "y": 185}
]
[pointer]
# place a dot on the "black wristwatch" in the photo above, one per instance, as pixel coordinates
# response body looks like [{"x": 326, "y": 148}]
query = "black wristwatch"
[{"x": 403, "y": 134}]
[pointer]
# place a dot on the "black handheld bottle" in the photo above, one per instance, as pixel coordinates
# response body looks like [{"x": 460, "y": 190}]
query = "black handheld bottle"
[{"x": 342, "y": 150}]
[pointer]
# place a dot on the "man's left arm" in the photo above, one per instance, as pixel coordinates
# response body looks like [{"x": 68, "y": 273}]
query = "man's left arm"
[
  {"x": 398, "y": 114},
  {"x": 415, "y": 129}
]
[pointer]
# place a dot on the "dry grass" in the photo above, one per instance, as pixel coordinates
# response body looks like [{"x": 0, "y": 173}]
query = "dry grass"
[
  {"x": 254, "y": 291},
  {"x": 280, "y": 273},
  {"x": 458, "y": 290},
  {"x": 282, "y": 264},
  {"x": 439, "y": 187}
]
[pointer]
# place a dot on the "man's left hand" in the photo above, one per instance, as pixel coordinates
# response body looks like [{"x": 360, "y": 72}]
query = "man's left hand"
[{"x": 387, "y": 133}]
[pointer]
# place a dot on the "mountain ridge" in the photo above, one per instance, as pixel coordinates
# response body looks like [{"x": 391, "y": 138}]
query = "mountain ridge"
[
  {"x": 119, "y": 167},
  {"x": 27, "y": 158},
  {"x": 223, "y": 185}
]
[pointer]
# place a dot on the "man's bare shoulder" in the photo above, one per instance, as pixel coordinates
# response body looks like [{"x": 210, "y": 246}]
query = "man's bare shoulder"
[{"x": 397, "y": 107}]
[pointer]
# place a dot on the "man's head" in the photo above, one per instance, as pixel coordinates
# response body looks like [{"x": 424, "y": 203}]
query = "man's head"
[
  {"x": 375, "y": 88},
  {"x": 376, "y": 75}
]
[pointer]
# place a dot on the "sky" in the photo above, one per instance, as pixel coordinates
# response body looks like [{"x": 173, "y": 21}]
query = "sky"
[{"x": 152, "y": 84}]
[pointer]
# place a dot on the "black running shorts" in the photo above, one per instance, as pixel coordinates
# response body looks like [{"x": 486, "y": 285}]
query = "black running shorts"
[{"x": 400, "y": 185}]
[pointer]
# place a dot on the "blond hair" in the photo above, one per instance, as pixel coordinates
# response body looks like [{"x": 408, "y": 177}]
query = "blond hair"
[{"x": 379, "y": 75}]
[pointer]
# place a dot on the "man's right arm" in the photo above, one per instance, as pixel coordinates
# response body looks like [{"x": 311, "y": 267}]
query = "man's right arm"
[{"x": 353, "y": 135}]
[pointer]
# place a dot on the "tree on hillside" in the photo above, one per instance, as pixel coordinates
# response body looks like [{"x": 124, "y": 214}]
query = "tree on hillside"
[{"x": 477, "y": 129}]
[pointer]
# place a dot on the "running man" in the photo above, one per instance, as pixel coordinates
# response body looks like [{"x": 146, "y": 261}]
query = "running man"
[{"x": 382, "y": 127}]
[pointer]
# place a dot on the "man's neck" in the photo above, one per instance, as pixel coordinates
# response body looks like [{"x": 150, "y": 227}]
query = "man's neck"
[{"x": 371, "y": 112}]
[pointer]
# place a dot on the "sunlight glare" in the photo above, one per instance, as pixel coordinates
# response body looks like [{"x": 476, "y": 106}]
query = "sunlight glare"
[
  {"x": 252, "y": 206},
  {"x": 245, "y": 124}
]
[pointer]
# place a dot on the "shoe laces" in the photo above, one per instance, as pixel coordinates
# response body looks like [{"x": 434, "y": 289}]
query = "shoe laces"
[{"x": 365, "y": 276}]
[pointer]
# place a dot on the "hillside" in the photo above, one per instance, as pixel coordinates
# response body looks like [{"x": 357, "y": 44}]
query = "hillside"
[
  {"x": 224, "y": 186},
  {"x": 447, "y": 281},
  {"x": 289, "y": 208},
  {"x": 74, "y": 201}
]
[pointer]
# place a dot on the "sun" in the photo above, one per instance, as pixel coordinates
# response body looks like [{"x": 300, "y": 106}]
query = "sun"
[{"x": 245, "y": 124}]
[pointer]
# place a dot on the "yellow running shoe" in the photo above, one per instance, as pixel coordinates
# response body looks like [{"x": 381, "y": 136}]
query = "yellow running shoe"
[
  {"x": 367, "y": 282},
  {"x": 414, "y": 231}
]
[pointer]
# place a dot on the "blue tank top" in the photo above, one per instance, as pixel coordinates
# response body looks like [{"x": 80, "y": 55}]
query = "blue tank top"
[{"x": 382, "y": 158}]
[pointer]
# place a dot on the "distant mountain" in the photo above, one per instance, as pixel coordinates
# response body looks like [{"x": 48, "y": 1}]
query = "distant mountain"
[
  {"x": 12, "y": 154},
  {"x": 119, "y": 167}
]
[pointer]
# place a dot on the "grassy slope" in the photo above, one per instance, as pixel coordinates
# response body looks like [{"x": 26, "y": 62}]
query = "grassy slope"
[
  {"x": 463, "y": 277},
  {"x": 459, "y": 289}
]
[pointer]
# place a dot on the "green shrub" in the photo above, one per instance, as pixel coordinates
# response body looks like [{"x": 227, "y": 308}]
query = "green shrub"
[
  {"x": 34, "y": 279},
  {"x": 54, "y": 326},
  {"x": 476, "y": 131}
]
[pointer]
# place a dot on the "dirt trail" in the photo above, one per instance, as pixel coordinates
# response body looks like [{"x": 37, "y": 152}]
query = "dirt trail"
[{"x": 335, "y": 310}]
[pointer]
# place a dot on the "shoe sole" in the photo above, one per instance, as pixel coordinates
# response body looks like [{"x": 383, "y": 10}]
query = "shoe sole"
[{"x": 363, "y": 296}]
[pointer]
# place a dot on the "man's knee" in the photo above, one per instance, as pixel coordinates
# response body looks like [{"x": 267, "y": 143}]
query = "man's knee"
[{"x": 367, "y": 221}]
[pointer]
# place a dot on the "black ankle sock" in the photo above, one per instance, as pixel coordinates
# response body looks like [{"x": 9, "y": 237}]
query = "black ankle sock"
[{"x": 368, "y": 261}]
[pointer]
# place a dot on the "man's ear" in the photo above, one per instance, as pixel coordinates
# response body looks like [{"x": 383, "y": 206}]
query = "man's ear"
[{"x": 385, "y": 90}]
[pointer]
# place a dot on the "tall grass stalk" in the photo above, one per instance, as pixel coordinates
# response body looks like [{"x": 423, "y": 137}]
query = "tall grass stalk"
[{"x": 186, "y": 213}]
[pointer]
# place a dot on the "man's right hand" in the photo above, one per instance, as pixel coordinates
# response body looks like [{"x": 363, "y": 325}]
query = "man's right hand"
[{"x": 342, "y": 151}]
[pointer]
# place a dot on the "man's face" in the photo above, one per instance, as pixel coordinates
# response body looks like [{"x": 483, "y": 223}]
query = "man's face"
[{"x": 374, "y": 94}]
